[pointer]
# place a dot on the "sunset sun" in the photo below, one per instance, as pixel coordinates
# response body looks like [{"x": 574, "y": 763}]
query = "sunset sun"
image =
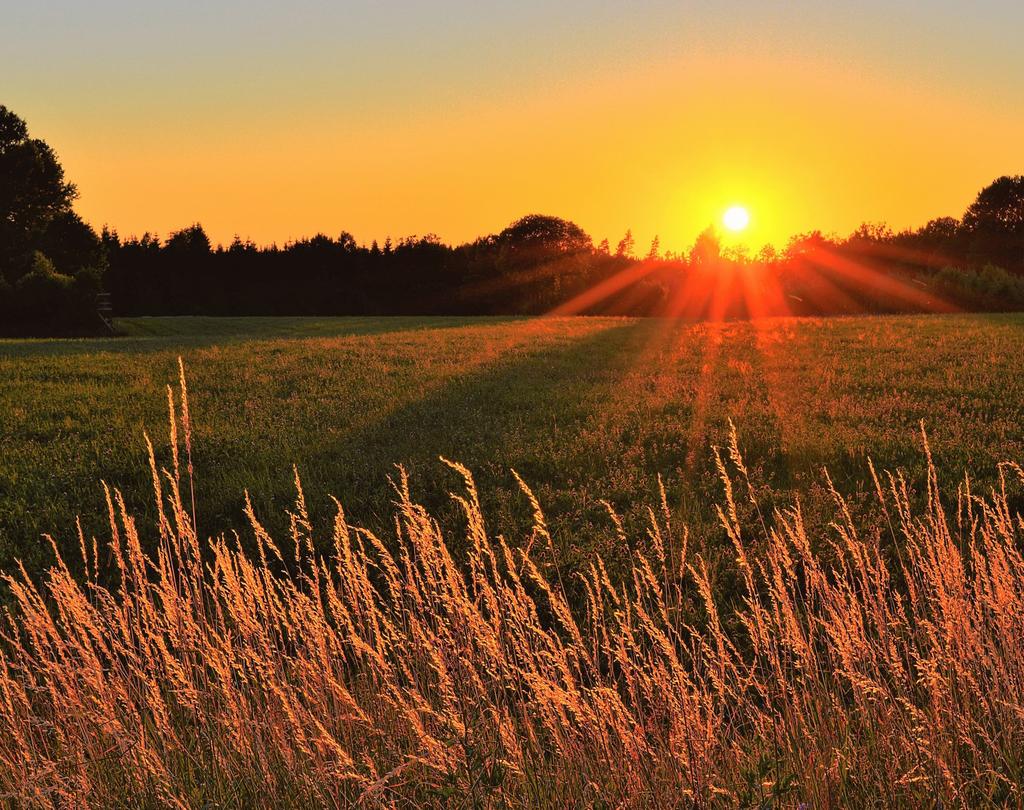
[{"x": 736, "y": 219}]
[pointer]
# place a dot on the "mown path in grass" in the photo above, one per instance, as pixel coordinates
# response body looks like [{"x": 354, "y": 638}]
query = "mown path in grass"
[{"x": 584, "y": 409}]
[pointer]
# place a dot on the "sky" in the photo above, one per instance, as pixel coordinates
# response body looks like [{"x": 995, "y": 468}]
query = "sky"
[{"x": 275, "y": 121}]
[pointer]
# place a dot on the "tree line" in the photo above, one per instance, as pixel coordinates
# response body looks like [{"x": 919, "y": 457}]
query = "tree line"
[{"x": 53, "y": 266}]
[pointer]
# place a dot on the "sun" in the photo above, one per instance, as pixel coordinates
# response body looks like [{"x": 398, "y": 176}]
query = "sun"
[{"x": 736, "y": 218}]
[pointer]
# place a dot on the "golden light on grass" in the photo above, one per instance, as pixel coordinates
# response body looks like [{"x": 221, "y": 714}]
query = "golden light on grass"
[
  {"x": 349, "y": 669},
  {"x": 736, "y": 218}
]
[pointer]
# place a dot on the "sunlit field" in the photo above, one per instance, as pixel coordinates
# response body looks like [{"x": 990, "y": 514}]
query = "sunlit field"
[
  {"x": 583, "y": 409},
  {"x": 655, "y": 608}
]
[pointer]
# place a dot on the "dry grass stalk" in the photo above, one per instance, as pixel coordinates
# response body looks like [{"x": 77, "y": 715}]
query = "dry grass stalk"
[{"x": 391, "y": 674}]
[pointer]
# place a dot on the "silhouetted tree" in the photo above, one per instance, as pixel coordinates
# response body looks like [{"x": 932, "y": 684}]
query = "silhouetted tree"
[
  {"x": 72, "y": 245},
  {"x": 806, "y": 244},
  {"x": 32, "y": 192},
  {"x": 539, "y": 235},
  {"x": 995, "y": 223},
  {"x": 625, "y": 246},
  {"x": 1000, "y": 205},
  {"x": 189, "y": 243},
  {"x": 767, "y": 255},
  {"x": 347, "y": 242},
  {"x": 872, "y": 233},
  {"x": 940, "y": 229},
  {"x": 707, "y": 250},
  {"x": 51, "y": 262},
  {"x": 238, "y": 246},
  {"x": 655, "y": 252}
]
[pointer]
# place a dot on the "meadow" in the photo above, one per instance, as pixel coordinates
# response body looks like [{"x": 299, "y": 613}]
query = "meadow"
[
  {"x": 669, "y": 603},
  {"x": 584, "y": 410}
]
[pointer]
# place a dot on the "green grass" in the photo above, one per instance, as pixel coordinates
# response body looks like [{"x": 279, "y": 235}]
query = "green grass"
[{"x": 583, "y": 409}]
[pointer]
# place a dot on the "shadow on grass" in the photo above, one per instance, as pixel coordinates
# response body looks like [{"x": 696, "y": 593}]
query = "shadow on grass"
[
  {"x": 530, "y": 414},
  {"x": 512, "y": 411},
  {"x": 198, "y": 332}
]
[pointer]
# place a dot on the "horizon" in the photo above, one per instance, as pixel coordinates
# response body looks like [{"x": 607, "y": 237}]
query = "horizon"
[
  {"x": 727, "y": 236},
  {"x": 459, "y": 119}
]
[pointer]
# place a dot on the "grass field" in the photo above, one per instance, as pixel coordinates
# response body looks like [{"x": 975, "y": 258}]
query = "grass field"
[
  {"x": 794, "y": 648},
  {"x": 583, "y": 409}
]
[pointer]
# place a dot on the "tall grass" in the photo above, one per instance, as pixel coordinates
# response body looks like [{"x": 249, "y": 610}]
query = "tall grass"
[{"x": 879, "y": 665}]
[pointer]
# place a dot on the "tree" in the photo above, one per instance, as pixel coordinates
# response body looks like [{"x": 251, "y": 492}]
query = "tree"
[
  {"x": 42, "y": 296},
  {"x": 626, "y": 244},
  {"x": 871, "y": 233},
  {"x": 941, "y": 229},
  {"x": 935, "y": 244},
  {"x": 807, "y": 244},
  {"x": 767, "y": 255},
  {"x": 539, "y": 235},
  {"x": 240, "y": 247},
  {"x": 32, "y": 193},
  {"x": 998, "y": 207},
  {"x": 347, "y": 242},
  {"x": 189, "y": 242},
  {"x": 72, "y": 245},
  {"x": 51, "y": 262},
  {"x": 655, "y": 252},
  {"x": 707, "y": 249},
  {"x": 994, "y": 223}
]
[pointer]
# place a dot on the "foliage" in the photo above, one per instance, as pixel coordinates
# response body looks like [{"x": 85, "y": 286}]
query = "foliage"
[
  {"x": 542, "y": 264},
  {"x": 51, "y": 262},
  {"x": 537, "y": 265},
  {"x": 990, "y": 287},
  {"x": 543, "y": 236},
  {"x": 32, "y": 188},
  {"x": 994, "y": 223}
]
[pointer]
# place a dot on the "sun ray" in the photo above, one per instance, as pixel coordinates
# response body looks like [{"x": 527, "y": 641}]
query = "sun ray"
[{"x": 605, "y": 289}]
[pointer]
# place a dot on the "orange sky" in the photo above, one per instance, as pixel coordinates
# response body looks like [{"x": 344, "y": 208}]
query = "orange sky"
[{"x": 266, "y": 126}]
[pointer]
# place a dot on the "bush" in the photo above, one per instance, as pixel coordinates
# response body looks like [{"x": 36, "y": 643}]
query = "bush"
[
  {"x": 42, "y": 289},
  {"x": 990, "y": 287},
  {"x": 46, "y": 302}
]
